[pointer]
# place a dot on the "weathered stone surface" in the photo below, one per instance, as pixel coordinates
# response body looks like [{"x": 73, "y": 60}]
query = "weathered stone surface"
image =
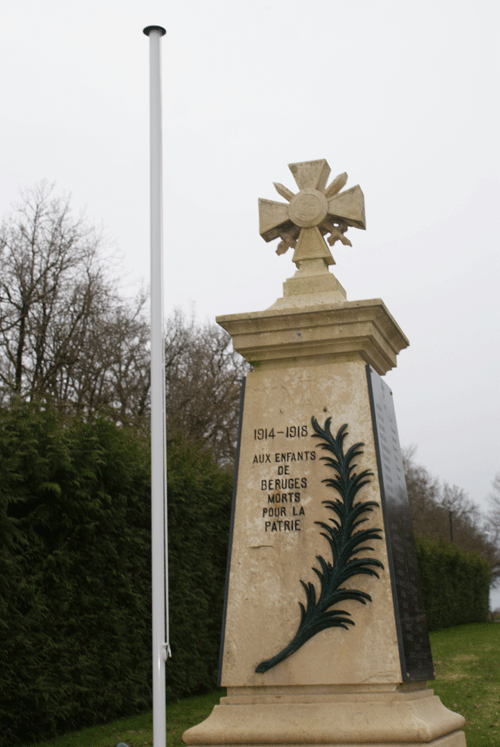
[
  {"x": 395, "y": 716},
  {"x": 310, "y": 335},
  {"x": 270, "y": 558},
  {"x": 315, "y": 210}
]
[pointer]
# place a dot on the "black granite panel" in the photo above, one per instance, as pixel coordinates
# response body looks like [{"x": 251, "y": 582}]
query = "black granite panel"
[{"x": 414, "y": 646}]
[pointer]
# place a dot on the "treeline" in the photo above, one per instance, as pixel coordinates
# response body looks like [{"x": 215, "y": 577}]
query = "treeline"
[
  {"x": 431, "y": 502},
  {"x": 68, "y": 337}
]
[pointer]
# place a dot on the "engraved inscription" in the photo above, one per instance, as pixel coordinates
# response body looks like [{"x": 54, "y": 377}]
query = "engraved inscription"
[
  {"x": 281, "y": 481},
  {"x": 346, "y": 541},
  {"x": 290, "y": 431}
]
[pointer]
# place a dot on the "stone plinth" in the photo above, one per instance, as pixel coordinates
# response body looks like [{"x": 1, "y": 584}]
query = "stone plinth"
[{"x": 363, "y": 716}]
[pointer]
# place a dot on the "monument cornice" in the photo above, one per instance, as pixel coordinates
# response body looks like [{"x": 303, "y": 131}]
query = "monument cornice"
[{"x": 318, "y": 333}]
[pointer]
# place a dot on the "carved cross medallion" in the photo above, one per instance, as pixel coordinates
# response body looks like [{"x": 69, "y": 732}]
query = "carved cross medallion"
[{"x": 316, "y": 210}]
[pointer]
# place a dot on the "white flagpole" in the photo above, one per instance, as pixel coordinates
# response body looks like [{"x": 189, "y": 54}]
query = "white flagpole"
[{"x": 159, "y": 545}]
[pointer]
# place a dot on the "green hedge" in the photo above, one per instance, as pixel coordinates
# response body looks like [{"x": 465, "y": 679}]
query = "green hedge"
[
  {"x": 455, "y": 584},
  {"x": 75, "y": 588}
]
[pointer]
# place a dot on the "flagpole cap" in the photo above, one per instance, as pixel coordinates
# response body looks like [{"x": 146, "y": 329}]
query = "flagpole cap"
[{"x": 149, "y": 29}]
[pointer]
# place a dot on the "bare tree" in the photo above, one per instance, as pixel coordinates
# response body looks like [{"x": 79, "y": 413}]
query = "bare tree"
[
  {"x": 203, "y": 378},
  {"x": 50, "y": 281},
  {"x": 493, "y": 522},
  {"x": 494, "y": 499},
  {"x": 112, "y": 372},
  {"x": 67, "y": 335},
  {"x": 423, "y": 496}
]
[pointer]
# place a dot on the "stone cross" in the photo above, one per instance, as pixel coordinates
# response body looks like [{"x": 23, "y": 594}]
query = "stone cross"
[{"x": 316, "y": 210}]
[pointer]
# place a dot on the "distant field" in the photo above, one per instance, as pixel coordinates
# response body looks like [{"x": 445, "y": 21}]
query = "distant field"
[{"x": 467, "y": 662}]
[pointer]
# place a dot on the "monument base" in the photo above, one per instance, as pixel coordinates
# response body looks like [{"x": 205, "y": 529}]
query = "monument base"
[{"x": 342, "y": 716}]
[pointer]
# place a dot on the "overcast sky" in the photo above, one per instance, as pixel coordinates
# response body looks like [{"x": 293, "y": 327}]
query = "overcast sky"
[{"x": 403, "y": 96}]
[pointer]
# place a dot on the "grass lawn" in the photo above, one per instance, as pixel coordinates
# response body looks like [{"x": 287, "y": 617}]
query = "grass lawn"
[
  {"x": 467, "y": 663},
  {"x": 137, "y": 731}
]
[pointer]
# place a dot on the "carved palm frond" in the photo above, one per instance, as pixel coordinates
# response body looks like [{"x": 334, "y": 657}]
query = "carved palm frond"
[{"x": 346, "y": 540}]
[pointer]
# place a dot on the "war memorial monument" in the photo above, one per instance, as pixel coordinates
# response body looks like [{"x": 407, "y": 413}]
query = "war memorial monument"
[{"x": 324, "y": 635}]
